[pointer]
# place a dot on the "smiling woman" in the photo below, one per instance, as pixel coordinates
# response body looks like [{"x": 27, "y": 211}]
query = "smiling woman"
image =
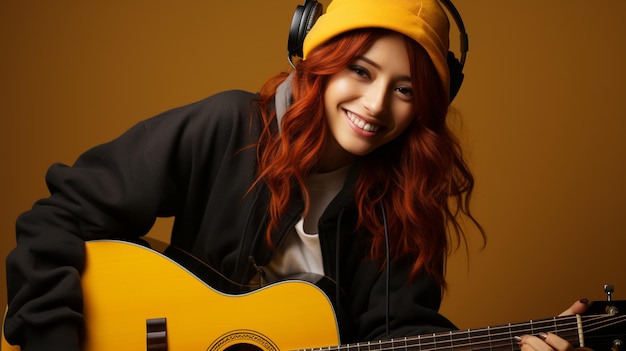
[{"x": 344, "y": 166}]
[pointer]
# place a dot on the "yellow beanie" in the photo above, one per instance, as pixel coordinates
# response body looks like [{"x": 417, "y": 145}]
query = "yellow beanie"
[{"x": 422, "y": 20}]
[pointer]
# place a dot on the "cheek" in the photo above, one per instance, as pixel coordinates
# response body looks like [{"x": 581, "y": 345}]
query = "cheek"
[
  {"x": 334, "y": 95},
  {"x": 338, "y": 87},
  {"x": 403, "y": 118}
]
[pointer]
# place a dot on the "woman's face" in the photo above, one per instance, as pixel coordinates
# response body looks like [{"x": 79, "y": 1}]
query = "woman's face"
[{"x": 369, "y": 103}]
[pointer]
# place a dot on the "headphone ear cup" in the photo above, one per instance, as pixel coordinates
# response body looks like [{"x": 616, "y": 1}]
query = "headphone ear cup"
[
  {"x": 456, "y": 74},
  {"x": 303, "y": 20}
]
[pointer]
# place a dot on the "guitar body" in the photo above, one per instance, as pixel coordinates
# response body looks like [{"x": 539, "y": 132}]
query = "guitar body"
[{"x": 126, "y": 284}]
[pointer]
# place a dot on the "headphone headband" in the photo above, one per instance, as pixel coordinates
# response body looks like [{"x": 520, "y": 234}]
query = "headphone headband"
[{"x": 464, "y": 39}]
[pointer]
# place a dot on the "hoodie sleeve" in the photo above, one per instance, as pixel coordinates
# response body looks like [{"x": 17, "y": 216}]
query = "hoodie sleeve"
[{"x": 115, "y": 190}]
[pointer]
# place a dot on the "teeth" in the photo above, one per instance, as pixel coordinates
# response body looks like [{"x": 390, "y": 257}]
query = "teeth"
[{"x": 368, "y": 127}]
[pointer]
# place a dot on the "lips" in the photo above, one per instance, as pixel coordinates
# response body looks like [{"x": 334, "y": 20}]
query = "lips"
[{"x": 362, "y": 124}]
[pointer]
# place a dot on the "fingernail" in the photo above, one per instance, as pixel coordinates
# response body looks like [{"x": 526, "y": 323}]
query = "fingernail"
[
  {"x": 543, "y": 336},
  {"x": 517, "y": 338},
  {"x": 584, "y": 301}
]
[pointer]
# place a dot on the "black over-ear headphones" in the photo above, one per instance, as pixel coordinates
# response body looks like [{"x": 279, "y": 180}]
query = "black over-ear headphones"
[{"x": 305, "y": 16}]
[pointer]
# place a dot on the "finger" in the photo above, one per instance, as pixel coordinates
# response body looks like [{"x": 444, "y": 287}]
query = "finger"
[
  {"x": 533, "y": 343},
  {"x": 578, "y": 307},
  {"x": 526, "y": 347},
  {"x": 556, "y": 342}
]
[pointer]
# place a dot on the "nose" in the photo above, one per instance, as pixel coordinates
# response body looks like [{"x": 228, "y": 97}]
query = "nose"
[{"x": 375, "y": 99}]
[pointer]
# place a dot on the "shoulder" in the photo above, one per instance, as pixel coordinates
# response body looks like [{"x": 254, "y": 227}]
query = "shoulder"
[
  {"x": 227, "y": 109},
  {"x": 234, "y": 96},
  {"x": 229, "y": 101},
  {"x": 226, "y": 102}
]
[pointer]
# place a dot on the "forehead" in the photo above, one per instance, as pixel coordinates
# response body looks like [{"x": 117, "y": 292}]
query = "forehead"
[{"x": 388, "y": 53}]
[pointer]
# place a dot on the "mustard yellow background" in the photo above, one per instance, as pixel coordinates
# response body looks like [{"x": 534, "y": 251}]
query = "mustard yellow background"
[{"x": 542, "y": 116}]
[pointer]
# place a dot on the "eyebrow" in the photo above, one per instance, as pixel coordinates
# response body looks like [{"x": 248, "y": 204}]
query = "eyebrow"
[{"x": 377, "y": 66}]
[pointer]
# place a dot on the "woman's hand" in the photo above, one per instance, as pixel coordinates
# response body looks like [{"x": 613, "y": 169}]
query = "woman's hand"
[
  {"x": 546, "y": 342},
  {"x": 549, "y": 341}
]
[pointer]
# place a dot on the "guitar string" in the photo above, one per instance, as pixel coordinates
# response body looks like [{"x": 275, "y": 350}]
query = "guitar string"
[
  {"x": 594, "y": 323},
  {"x": 466, "y": 341},
  {"x": 567, "y": 328}
]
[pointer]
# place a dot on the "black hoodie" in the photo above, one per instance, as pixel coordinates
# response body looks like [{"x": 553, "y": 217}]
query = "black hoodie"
[{"x": 195, "y": 163}]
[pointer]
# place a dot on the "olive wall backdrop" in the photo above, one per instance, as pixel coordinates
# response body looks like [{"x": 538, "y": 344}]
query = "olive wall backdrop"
[{"x": 541, "y": 113}]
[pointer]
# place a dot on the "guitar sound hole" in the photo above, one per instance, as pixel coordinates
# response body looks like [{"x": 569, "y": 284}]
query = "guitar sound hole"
[{"x": 243, "y": 347}]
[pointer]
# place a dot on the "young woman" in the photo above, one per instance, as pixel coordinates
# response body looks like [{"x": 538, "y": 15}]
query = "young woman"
[{"x": 345, "y": 168}]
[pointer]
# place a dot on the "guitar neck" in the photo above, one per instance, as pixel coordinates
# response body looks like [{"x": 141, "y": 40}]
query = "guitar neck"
[{"x": 498, "y": 338}]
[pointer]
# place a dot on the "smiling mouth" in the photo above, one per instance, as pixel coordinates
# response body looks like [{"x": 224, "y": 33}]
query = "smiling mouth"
[{"x": 366, "y": 126}]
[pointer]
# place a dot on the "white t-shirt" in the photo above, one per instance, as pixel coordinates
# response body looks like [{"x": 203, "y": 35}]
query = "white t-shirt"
[{"x": 300, "y": 251}]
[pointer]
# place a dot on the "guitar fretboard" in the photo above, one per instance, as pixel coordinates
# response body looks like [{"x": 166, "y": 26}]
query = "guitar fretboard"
[{"x": 498, "y": 338}]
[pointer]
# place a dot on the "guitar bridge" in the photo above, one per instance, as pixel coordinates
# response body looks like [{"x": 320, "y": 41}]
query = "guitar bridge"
[{"x": 156, "y": 334}]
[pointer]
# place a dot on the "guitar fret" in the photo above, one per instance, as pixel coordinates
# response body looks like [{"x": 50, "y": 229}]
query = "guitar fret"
[
  {"x": 415, "y": 345},
  {"x": 479, "y": 340},
  {"x": 379, "y": 347},
  {"x": 459, "y": 340},
  {"x": 569, "y": 329},
  {"x": 501, "y": 338},
  {"x": 443, "y": 341},
  {"x": 427, "y": 343},
  {"x": 412, "y": 344},
  {"x": 519, "y": 330},
  {"x": 514, "y": 345}
]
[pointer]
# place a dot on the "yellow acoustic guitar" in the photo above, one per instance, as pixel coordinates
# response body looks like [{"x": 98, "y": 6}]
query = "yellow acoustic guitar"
[{"x": 139, "y": 299}]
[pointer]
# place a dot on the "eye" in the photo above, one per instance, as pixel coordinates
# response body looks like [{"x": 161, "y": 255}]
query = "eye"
[
  {"x": 405, "y": 91},
  {"x": 359, "y": 71}
]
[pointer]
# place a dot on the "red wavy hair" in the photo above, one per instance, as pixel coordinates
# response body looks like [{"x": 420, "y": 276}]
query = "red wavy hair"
[{"x": 420, "y": 177}]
